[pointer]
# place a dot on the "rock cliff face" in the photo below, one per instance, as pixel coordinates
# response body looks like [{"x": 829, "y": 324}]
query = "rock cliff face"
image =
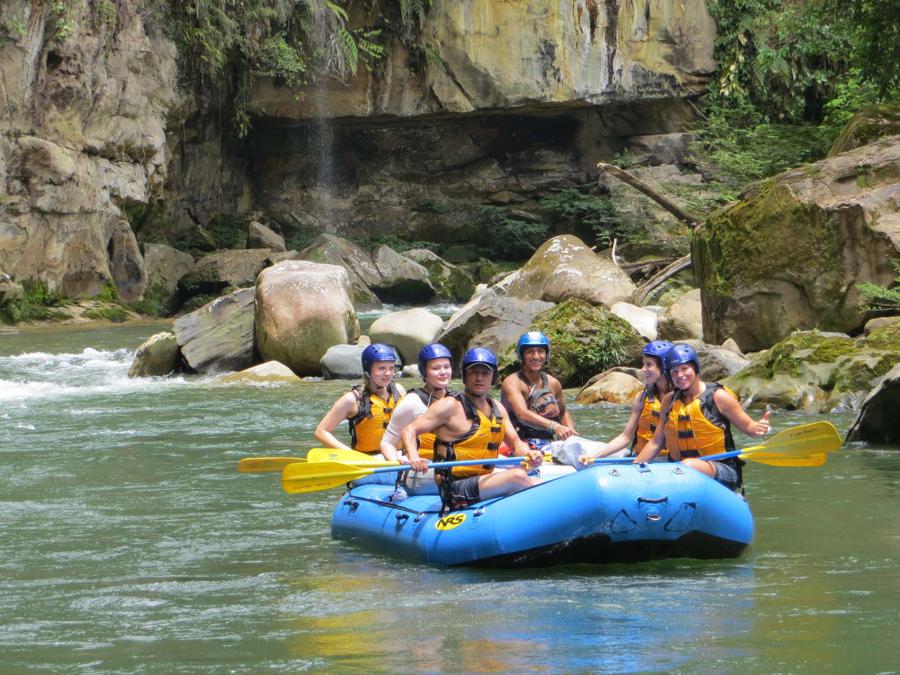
[
  {"x": 511, "y": 101},
  {"x": 496, "y": 54},
  {"x": 791, "y": 253},
  {"x": 499, "y": 102},
  {"x": 86, "y": 99}
]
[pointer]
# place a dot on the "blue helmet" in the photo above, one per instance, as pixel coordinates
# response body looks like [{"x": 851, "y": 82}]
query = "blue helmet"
[
  {"x": 658, "y": 349},
  {"x": 679, "y": 354},
  {"x": 533, "y": 338},
  {"x": 377, "y": 352},
  {"x": 480, "y": 356},
  {"x": 431, "y": 352}
]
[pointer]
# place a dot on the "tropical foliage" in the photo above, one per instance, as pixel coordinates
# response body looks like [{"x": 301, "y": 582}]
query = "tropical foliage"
[
  {"x": 225, "y": 43},
  {"x": 790, "y": 73},
  {"x": 882, "y": 298}
]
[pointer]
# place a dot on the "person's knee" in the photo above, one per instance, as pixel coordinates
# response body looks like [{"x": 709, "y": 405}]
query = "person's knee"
[
  {"x": 520, "y": 478},
  {"x": 699, "y": 465}
]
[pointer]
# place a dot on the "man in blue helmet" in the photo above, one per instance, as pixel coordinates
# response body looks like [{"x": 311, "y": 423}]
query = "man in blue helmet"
[
  {"x": 533, "y": 397},
  {"x": 472, "y": 425}
]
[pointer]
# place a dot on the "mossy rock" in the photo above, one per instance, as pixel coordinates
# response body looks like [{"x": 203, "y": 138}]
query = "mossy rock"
[
  {"x": 585, "y": 339},
  {"x": 868, "y": 125},
  {"x": 818, "y": 372},
  {"x": 450, "y": 282},
  {"x": 158, "y": 301},
  {"x": 772, "y": 230}
]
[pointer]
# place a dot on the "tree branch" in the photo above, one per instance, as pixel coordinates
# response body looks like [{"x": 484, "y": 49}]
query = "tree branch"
[{"x": 641, "y": 186}]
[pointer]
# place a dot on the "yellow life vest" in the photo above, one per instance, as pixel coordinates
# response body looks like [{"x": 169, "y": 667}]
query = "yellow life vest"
[
  {"x": 698, "y": 428},
  {"x": 426, "y": 441},
  {"x": 368, "y": 425},
  {"x": 648, "y": 421},
  {"x": 481, "y": 441}
]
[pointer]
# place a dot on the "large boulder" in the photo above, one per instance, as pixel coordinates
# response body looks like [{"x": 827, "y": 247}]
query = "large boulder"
[
  {"x": 343, "y": 362},
  {"x": 303, "y": 308},
  {"x": 224, "y": 269},
  {"x": 380, "y": 275},
  {"x": 683, "y": 319},
  {"x": 157, "y": 356},
  {"x": 260, "y": 236},
  {"x": 584, "y": 339},
  {"x": 490, "y": 320},
  {"x": 791, "y": 253},
  {"x": 818, "y": 372},
  {"x": 402, "y": 279},
  {"x": 563, "y": 267},
  {"x": 717, "y": 363},
  {"x": 869, "y": 124},
  {"x": 451, "y": 283},
  {"x": 876, "y": 422},
  {"x": 165, "y": 266},
  {"x": 361, "y": 271},
  {"x": 407, "y": 331},
  {"x": 644, "y": 321},
  {"x": 218, "y": 337},
  {"x": 613, "y": 386}
]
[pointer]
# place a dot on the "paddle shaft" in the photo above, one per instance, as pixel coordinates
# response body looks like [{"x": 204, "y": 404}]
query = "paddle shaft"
[{"x": 446, "y": 465}]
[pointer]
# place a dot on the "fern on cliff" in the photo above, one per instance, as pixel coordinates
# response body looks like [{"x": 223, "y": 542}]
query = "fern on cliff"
[
  {"x": 223, "y": 44},
  {"x": 880, "y": 298}
]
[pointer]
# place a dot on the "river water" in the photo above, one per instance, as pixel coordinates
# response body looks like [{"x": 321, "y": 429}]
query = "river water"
[{"x": 130, "y": 544}]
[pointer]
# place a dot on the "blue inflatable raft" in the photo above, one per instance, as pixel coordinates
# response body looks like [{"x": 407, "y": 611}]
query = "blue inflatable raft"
[{"x": 603, "y": 514}]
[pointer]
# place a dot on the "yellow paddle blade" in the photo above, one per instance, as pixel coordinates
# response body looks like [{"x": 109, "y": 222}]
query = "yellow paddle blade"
[
  {"x": 778, "y": 459},
  {"x": 804, "y": 445},
  {"x": 347, "y": 457},
  {"x": 313, "y": 476},
  {"x": 265, "y": 464}
]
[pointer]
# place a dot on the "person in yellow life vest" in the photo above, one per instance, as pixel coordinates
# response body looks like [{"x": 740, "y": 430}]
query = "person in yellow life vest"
[
  {"x": 367, "y": 407},
  {"x": 471, "y": 425},
  {"x": 436, "y": 369},
  {"x": 646, "y": 406},
  {"x": 698, "y": 416}
]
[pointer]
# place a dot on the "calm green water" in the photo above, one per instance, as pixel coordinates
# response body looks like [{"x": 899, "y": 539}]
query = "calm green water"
[{"x": 130, "y": 544}]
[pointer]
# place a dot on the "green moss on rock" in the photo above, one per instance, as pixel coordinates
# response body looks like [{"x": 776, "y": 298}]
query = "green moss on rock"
[
  {"x": 866, "y": 126},
  {"x": 769, "y": 230},
  {"x": 819, "y": 372},
  {"x": 585, "y": 340}
]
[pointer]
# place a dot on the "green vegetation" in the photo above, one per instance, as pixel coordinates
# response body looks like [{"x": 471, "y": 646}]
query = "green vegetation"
[
  {"x": 154, "y": 303},
  {"x": 63, "y": 24},
  {"x": 592, "y": 217},
  {"x": 880, "y": 298},
  {"x": 224, "y": 43},
  {"x": 790, "y": 74},
  {"x": 107, "y": 312},
  {"x": 37, "y": 304},
  {"x": 507, "y": 236}
]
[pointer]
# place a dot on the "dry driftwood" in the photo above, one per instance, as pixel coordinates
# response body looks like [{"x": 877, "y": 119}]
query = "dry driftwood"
[
  {"x": 657, "y": 279},
  {"x": 693, "y": 221},
  {"x": 641, "y": 186}
]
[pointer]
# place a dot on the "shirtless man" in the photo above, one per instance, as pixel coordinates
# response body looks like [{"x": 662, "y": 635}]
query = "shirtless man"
[{"x": 534, "y": 398}]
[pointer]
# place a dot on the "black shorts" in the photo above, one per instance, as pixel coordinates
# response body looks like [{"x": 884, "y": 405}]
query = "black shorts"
[{"x": 465, "y": 490}]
